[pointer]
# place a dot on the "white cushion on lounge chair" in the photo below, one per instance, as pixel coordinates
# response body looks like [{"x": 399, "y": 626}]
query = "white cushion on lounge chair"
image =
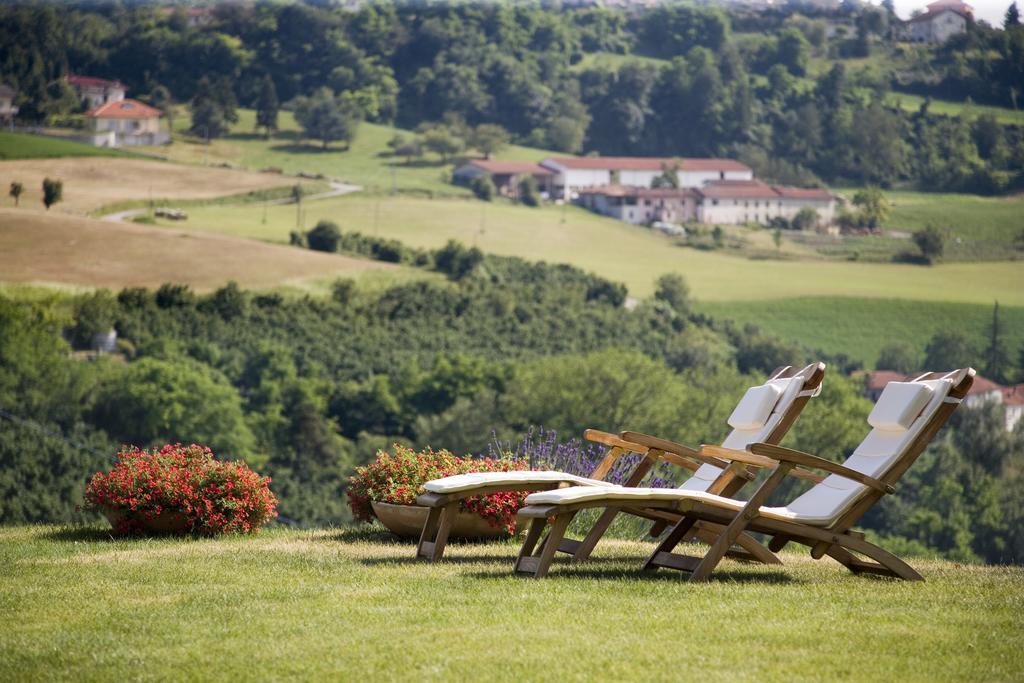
[
  {"x": 755, "y": 407},
  {"x": 873, "y": 457},
  {"x": 899, "y": 405},
  {"x": 788, "y": 389},
  {"x": 464, "y": 482}
]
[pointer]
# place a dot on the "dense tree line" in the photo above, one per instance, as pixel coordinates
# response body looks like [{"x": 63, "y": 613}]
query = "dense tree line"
[
  {"x": 519, "y": 68},
  {"x": 305, "y": 388}
]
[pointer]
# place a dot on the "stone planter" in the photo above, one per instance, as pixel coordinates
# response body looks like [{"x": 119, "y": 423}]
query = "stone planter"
[
  {"x": 167, "y": 522},
  {"x": 407, "y": 521}
]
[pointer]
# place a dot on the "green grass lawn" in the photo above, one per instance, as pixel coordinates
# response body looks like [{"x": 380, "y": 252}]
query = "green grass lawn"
[
  {"x": 614, "y": 61},
  {"x": 861, "y": 327},
  {"x": 23, "y": 146},
  {"x": 951, "y": 108},
  {"x": 621, "y": 252},
  {"x": 986, "y": 227},
  {"x": 367, "y": 162},
  {"x": 344, "y": 605}
]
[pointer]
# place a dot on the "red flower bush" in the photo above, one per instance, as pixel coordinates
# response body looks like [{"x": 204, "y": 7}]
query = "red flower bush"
[
  {"x": 214, "y": 497},
  {"x": 399, "y": 477}
]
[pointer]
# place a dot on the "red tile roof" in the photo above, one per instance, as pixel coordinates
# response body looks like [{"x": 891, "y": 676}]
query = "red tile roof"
[
  {"x": 1012, "y": 395},
  {"x": 755, "y": 189},
  {"x": 91, "y": 82},
  {"x": 962, "y": 10},
  {"x": 738, "y": 189},
  {"x": 124, "y": 109},
  {"x": 511, "y": 167},
  {"x": 645, "y": 192},
  {"x": 877, "y": 380},
  {"x": 802, "y": 192},
  {"x": 647, "y": 164}
]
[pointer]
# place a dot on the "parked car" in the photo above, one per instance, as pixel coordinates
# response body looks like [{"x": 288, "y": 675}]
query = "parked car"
[{"x": 173, "y": 214}]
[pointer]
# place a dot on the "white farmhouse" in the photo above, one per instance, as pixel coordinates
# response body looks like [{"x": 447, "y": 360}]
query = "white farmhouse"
[
  {"x": 735, "y": 202},
  {"x": 641, "y": 205},
  {"x": 96, "y": 91},
  {"x": 571, "y": 174},
  {"x": 941, "y": 21},
  {"x": 126, "y": 122}
]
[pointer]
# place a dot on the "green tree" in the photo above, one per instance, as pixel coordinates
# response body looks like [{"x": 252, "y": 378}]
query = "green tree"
[
  {"x": 326, "y": 117},
  {"x": 673, "y": 290},
  {"x": 793, "y": 51},
  {"x": 214, "y": 108},
  {"x": 806, "y": 219},
  {"x": 324, "y": 237},
  {"x": 931, "y": 241},
  {"x": 997, "y": 358},
  {"x": 483, "y": 187},
  {"x": 488, "y": 138},
  {"x": 267, "y": 107},
  {"x": 161, "y": 98},
  {"x": 528, "y": 192},
  {"x": 53, "y": 192},
  {"x": 873, "y": 206},
  {"x": 442, "y": 141},
  {"x": 1012, "y": 18},
  {"x": 565, "y": 134},
  {"x": 16, "y": 191},
  {"x": 898, "y": 356},
  {"x": 154, "y": 401},
  {"x": 948, "y": 351}
]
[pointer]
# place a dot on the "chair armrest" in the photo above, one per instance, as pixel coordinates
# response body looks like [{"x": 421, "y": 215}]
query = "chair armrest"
[
  {"x": 783, "y": 454},
  {"x": 673, "y": 448},
  {"x": 597, "y": 436},
  {"x": 757, "y": 461}
]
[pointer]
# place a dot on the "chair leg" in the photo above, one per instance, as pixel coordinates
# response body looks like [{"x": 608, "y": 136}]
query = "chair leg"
[
  {"x": 888, "y": 564},
  {"x": 532, "y": 536},
  {"x": 448, "y": 513},
  {"x": 593, "y": 536},
  {"x": 425, "y": 548},
  {"x": 670, "y": 541},
  {"x": 759, "y": 552},
  {"x": 537, "y": 564},
  {"x": 719, "y": 548}
]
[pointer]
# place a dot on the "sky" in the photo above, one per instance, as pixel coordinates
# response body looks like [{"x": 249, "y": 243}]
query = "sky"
[{"x": 991, "y": 11}]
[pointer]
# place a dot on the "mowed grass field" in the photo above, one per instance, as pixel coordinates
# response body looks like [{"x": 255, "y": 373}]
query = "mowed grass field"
[
  {"x": 976, "y": 227},
  {"x": 367, "y": 162},
  {"x": 23, "y": 146},
  {"x": 55, "y": 249},
  {"x": 90, "y": 183},
  {"x": 348, "y": 605},
  {"x": 860, "y": 328},
  {"x": 624, "y": 253}
]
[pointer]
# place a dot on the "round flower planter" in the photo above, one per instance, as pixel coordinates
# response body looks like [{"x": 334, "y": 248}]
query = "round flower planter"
[
  {"x": 167, "y": 522},
  {"x": 407, "y": 521}
]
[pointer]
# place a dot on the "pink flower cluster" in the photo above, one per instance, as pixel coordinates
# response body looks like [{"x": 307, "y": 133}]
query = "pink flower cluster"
[{"x": 214, "y": 497}]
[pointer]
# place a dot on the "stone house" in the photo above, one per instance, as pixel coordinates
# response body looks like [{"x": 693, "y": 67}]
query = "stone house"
[{"x": 126, "y": 122}]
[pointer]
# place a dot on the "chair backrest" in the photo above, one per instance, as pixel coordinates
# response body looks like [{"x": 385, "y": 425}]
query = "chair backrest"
[
  {"x": 764, "y": 414},
  {"x": 903, "y": 422}
]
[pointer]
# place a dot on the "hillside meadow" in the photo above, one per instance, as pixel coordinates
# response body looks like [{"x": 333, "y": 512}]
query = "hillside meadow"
[
  {"x": 860, "y": 328},
  {"x": 24, "y": 146},
  {"x": 367, "y": 162},
  {"x": 92, "y": 182},
  {"x": 633, "y": 255},
  {"x": 308, "y": 604},
  {"x": 68, "y": 251}
]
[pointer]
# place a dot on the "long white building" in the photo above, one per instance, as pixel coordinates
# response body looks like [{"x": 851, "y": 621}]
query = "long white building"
[{"x": 572, "y": 174}]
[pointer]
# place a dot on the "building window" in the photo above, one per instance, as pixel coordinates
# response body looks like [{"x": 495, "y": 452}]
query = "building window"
[{"x": 714, "y": 202}]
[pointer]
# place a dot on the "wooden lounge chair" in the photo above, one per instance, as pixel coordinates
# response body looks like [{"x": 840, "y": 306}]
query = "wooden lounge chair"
[
  {"x": 904, "y": 421},
  {"x": 765, "y": 413}
]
